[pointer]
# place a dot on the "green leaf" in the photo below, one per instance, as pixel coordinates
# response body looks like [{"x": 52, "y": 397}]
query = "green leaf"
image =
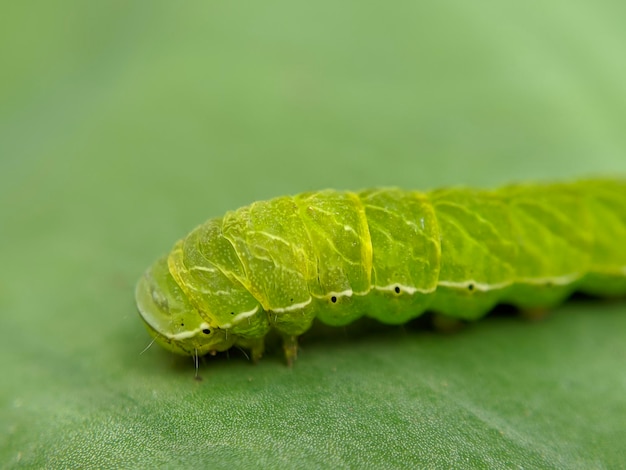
[{"x": 122, "y": 126}]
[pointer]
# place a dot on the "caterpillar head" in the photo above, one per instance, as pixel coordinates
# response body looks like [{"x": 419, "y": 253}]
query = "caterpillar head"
[{"x": 171, "y": 319}]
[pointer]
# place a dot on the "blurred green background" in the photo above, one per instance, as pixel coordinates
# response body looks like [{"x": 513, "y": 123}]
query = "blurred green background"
[{"x": 125, "y": 124}]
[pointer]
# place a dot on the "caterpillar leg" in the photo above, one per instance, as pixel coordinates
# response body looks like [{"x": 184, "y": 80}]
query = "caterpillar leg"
[
  {"x": 290, "y": 346},
  {"x": 256, "y": 346},
  {"x": 257, "y": 349}
]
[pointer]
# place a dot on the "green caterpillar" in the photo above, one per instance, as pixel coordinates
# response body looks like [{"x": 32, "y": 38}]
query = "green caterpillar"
[{"x": 384, "y": 253}]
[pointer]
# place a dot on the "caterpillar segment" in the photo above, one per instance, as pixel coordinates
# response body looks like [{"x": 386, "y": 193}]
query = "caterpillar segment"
[{"x": 388, "y": 254}]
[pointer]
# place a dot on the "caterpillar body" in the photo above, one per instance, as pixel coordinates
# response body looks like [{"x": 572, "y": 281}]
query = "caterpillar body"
[{"x": 389, "y": 254}]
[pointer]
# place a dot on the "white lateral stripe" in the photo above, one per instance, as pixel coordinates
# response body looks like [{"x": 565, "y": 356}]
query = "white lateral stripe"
[
  {"x": 243, "y": 315},
  {"x": 187, "y": 334},
  {"x": 558, "y": 280},
  {"x": 343, "y": 293},
  {"x": 293, "y": 307},
  {"x": 535, "y": 281},
  {"x": 182, "y": 335},
  {"x": 479, "y": 286},
  {"x": 404, "y": 289},
  {"x": 463, "y": 285}
]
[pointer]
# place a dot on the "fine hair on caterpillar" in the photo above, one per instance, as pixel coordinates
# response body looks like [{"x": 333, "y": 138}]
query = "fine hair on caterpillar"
[{"x": 388, "y": 254}]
